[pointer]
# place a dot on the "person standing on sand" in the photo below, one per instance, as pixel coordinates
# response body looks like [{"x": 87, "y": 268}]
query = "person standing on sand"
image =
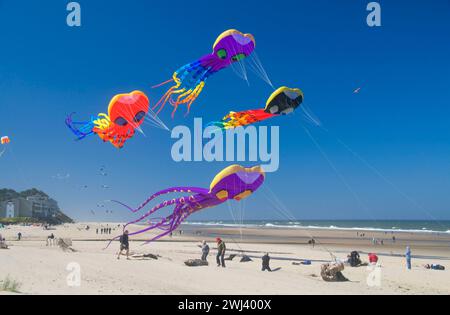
[
  {"x": 51, "y": 240},
  {"x": 266, "y": 262},
  {"x": 124, "y": 245},
  {"x": 19, "y": 236},
  {"x": 408, "y": 257},
  {"x": 221, "y": 248},
  {"x": 205, "y": 251}
]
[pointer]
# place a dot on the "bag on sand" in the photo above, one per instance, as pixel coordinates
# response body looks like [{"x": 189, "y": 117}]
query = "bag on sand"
[
  {"x": 245, "y": 258},
  {"x": 145, "y": 256},
  {"x": 196, "y": 263},
  {"x": 231, "y": 257}
]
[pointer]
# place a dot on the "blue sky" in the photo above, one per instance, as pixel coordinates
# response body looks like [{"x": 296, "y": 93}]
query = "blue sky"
[{"x": 398, "y": 123}]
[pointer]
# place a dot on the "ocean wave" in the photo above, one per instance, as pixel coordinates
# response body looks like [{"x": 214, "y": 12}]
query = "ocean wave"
[{"x": 298, "y": 225}]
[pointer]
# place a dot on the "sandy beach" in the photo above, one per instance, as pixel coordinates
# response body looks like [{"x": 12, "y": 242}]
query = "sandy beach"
[{"x": 41, "y": 269}]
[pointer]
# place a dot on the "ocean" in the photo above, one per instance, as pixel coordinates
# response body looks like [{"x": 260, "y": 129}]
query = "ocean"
[{"x": 369, "y": 225}]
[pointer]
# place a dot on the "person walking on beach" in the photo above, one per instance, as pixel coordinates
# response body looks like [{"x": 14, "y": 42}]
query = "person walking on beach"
[
  {"x": 19, "y": 236},
  {"x": 3, "y": 244},
  {"x": 124, "y": 245},
  {"x": 408, "y": 257},
  {"x": 205, "y": 251},
  {"x": 266, "y": 263},
  {"x": 51, "y": 240},
  {"x": 221, "y": 248}
]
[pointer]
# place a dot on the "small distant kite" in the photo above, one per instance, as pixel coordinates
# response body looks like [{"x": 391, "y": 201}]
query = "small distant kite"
[
  {"x": 126, "y": 113},
  {"x": 282, "y": 102},
  {"x": 233, "y": 183},
  {"x": 103, "y": 171},
  {"x": 4, "y": 142},
  {"x": 230, "y": 47},
  {"x": 357, "y": 91},
  {"x": 61, "y": 176}
]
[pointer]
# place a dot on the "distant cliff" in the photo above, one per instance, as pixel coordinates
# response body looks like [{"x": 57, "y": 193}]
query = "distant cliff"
[
  {"x": 7, "y": 194},
  {"x": 10, "y": 194}
]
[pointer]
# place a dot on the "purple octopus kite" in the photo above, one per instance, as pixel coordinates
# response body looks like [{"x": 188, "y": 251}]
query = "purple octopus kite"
[
  {"x": 230, "y": 47},
  {"x": 234, "y": 182}
]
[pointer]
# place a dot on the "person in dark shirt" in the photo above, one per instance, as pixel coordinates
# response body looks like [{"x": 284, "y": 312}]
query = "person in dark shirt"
[
  {"x": 266, "y": 262},
  {"x": 221, "y": 248},
  {"x": 124, "y": 245}
]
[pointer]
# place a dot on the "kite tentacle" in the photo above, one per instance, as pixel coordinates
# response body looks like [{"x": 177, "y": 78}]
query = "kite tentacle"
[
  {"x": 163, "y": 100},
  {"x": 162, "y": 84},
  {"x": 86, "y": 129},
  {"x": 189, "y": 83},
  {"x": 164, "y": 192},
  {"x": 174, "y": 224},
  {"x": 191, "y": 202},
  {"x": 160, "y": 206},
  {"x": 174, "y": 221},
  {"x": 151, "y": 227},
  {"x": 242, "y": 119}
]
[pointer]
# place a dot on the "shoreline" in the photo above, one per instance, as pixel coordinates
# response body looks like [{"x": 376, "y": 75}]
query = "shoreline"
[{"x": 326, "y": 228}]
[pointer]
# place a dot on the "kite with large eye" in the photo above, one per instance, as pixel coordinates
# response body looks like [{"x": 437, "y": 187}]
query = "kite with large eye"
[
  {"x": 126, "y": 113},
  {"x": 230, "y": 47},
  {"x": 233, "y": 183},
  {"x": 282, "y": 102}
]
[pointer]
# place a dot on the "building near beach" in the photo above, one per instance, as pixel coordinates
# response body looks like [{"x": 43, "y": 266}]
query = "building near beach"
[{"x": 37, "y": 206}]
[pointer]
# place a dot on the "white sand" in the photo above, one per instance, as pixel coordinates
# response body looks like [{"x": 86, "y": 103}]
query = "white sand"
[{"x": 42, "y": 270}]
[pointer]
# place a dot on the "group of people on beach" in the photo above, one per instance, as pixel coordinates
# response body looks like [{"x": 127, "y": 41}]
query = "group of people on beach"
[
  {"x": 205, "y": 249},
  {"x": 221, "y": 250},
  {"x": 353, "y": 259},
  {"x": 103, "y": 230}
]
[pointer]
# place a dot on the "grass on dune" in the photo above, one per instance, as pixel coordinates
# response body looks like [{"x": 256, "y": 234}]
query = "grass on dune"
[{"x": 9, "y": 285}]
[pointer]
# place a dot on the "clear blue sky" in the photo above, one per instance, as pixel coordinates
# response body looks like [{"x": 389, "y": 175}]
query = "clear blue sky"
[{"x": 399, "y": 122}]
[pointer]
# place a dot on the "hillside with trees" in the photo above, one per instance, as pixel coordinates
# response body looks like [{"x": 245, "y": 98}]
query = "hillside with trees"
[{"x": 9, "y": 194}]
